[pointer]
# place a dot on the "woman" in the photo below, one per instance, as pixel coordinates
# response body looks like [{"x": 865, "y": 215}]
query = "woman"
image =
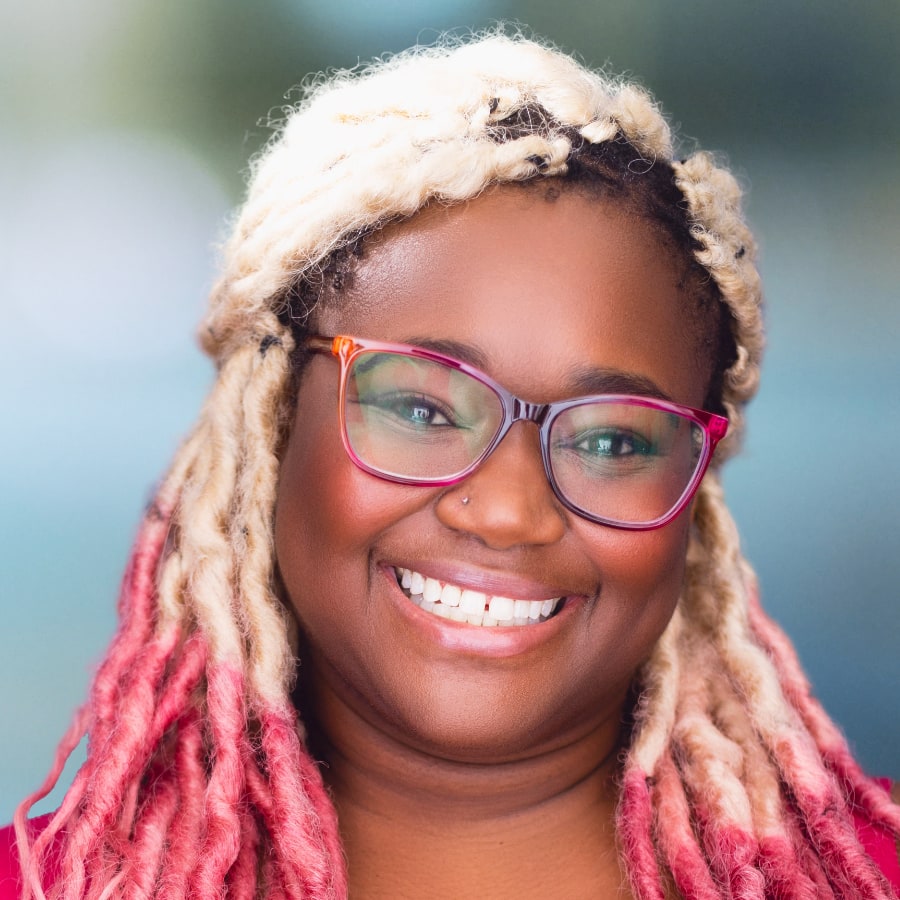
[{"x": 479, "y": 337}]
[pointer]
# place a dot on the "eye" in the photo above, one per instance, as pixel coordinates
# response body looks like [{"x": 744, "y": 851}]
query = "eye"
[
  {"x": 611, "y": 443},
  {"x": 414, "y": 410}
]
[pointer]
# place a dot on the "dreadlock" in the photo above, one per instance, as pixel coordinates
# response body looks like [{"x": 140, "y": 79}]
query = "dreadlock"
[{"x": 197, "y": 780}]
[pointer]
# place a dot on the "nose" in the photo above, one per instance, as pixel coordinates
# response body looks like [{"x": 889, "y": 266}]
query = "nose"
[{"x": 509, "y": 500}]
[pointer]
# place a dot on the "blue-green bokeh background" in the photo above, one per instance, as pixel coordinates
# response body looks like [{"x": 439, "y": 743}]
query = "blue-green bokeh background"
[{"x": 124, "y": 130}]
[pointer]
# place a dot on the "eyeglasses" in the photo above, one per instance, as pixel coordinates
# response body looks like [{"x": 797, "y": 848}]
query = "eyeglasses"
[{"x": 414, "y": 416}]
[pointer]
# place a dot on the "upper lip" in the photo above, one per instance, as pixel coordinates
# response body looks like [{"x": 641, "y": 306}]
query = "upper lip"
[{"x": 492, "y": 583}]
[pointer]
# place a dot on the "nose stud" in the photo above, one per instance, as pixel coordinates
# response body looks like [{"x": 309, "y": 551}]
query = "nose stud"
[{"x": 464, "y": 501}]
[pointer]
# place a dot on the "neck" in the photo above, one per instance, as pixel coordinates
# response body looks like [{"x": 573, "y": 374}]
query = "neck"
[{"x": 416, "y": 824}]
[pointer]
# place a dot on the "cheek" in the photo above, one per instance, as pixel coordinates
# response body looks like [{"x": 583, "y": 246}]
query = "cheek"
[
  {"x": 316, "y": 488},
  {"x": 643, "y": 576},
  {"x": 328, "y": 513},
  {"x": 312, "y": 496},
  {"x": 651, "y": 561}
]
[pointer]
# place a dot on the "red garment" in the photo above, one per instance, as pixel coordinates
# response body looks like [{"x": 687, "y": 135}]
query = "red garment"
[
  {"x": 879, "y": 844},
  {"x": 10, "y": 885}
]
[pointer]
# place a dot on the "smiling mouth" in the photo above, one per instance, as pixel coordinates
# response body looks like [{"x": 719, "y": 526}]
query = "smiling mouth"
[{"x": 449, "y": 601}]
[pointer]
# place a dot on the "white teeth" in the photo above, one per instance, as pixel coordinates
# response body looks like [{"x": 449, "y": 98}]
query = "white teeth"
[
  {"x": 432, "y": 590},
  {"x": 501, "y": 608},
  {"x": 451, "y": 594},
  {"x": 449, "y": 601},
  {"x": 472, "y": 602}
]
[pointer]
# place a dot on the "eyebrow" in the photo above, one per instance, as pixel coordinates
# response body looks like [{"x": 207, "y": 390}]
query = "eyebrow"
[
  {"x": 584, "y": 381},
  {"x": 588, "y": 381},
  {"x": 464, "y": 352}
]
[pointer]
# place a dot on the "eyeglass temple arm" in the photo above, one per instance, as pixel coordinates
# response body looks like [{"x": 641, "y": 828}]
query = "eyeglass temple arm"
[{"x": 320, "y": 344}]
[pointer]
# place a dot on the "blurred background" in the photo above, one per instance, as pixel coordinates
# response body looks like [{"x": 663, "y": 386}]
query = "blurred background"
[{"x": 125, "y": 129}]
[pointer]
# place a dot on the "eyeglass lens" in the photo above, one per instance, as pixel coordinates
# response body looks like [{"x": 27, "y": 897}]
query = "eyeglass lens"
[{"x": 413, "y": 418}]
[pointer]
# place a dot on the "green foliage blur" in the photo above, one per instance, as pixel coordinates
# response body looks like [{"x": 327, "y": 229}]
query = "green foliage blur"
[{"x": 797, "y": 75}]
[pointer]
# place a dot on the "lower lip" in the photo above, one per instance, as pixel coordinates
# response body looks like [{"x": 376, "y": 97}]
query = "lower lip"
[{"x": 494, "y": 641}]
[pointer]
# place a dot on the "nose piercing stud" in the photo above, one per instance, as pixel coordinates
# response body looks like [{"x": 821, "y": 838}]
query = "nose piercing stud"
[{"x": 465, "y": 500}]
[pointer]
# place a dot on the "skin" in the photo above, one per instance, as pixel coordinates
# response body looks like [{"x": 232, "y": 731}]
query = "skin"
[{"x": 484, "y": 769}]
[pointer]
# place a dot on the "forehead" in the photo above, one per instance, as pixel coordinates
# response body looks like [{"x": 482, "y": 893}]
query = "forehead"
[{"x": 540, "y": 290}]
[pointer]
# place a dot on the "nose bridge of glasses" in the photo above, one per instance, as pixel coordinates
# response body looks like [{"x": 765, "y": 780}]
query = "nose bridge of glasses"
[{"x": 522, "y": 410}]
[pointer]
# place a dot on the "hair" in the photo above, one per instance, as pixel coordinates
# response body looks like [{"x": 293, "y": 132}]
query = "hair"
[{"x": 197, "y": 781}]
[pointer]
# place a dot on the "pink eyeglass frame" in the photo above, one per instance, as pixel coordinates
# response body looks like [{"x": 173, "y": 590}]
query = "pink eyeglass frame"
[{"x": 515, "y": 409}]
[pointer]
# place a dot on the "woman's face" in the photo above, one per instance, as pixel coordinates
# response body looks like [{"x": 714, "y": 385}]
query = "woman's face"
[{"x": 545, "y": 295}]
